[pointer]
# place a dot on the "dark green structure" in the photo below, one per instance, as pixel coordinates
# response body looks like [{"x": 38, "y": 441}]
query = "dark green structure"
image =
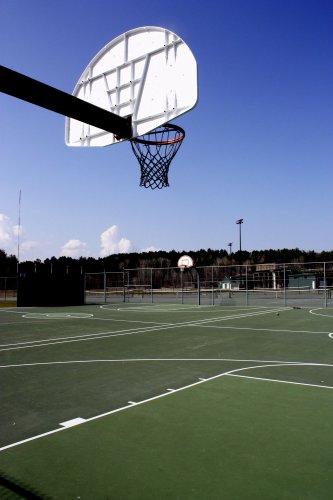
[{"x": 304, "y": 280}]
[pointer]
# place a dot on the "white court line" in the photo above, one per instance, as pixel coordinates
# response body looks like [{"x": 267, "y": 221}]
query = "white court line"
[
  {"x": 57, "y": 315},
  {"x": 92, "y": 336},
  {"x": 155, "y": 360},
  {"x": 130, "y": 321},
  {"x": 10, "y": 310},
  {"x": 168, "y": 393},
  {"x": 181, "y": 308},
  {"x": 264, "y": 329},
  {"x": 157, "y": 308},
  {"x": 72, "y": 422},
  {"x": 103, "y": 335},
  {"x": 312, "y": 311},
  {"x": 281, "y": 381}
]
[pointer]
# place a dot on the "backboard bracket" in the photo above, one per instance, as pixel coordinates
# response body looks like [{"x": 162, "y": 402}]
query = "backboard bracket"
[{"x": 43, "y": 95}]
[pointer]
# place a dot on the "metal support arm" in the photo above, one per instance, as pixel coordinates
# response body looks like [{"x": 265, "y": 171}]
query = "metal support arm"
[{"x": 35, "y": 92}]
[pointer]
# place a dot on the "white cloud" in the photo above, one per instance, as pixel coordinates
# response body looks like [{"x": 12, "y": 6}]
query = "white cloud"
[
  {"x": 74, "y": 248},
  {"x": 7, "y": 233},
  {"x": 11, "y": 236},
  {"x": 110, "y": 242},
  {"x": 28, "y": 245},
  {"x": 124, "y": 245}
]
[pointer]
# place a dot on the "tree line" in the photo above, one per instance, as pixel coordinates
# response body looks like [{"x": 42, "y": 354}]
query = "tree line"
[{"x": 159, "y": 259}]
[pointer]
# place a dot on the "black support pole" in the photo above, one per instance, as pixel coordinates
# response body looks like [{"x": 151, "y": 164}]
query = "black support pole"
[{"x": 35, "y": 92}]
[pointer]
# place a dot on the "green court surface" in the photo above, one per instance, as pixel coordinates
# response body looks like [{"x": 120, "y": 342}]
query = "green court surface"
[{"x": 166, "y": 402}]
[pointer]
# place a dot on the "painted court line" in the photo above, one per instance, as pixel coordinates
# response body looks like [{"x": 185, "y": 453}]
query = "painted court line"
[
  {"x": 145, "y": 360},
  {"x": 263, "y": 329},
  {"x": 281, "y": 381},
  {"x": 57, "y": 315},
  {"x": 131, "y": 404},
  {"x": 131, "y": 321},
  {"x": 312, "y": 311},
  {"x": 76, "y": 338},
  {"x": 207, "y": 308},
  {"x": 103, "y": 335},
  {"x": 74, "y": 421},
  {"x": 168, "y": 393}
]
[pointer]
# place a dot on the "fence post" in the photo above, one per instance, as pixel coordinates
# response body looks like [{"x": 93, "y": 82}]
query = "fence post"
[
  {"x": 151, "y": 285},
  {"x": 198, "y": 281},
  {"x": 325, "y": 285},
  {"x": 181, "y": 285},
  {"x": 213, "y": 301},
  {"x": 284, "y": 284}
]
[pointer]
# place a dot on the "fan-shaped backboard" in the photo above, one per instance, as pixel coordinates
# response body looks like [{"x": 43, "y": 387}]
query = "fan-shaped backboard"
[{"x": 149, "y": 73}]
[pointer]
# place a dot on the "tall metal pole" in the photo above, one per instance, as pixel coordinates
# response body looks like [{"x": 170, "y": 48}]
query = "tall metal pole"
[{"x": 240, "y": 222}]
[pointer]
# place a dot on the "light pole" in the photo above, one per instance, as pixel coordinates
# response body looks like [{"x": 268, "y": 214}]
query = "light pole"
[
  {"x": 229, "y": 245},
  {"x": 240, "y": 222}
]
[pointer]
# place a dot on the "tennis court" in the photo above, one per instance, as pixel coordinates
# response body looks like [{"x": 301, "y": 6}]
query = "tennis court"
[{"x": 162, "y": 401}]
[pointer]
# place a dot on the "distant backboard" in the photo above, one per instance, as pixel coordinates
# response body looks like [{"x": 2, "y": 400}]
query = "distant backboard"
[
  {"x": 185, "y": 261},
  {"x": 148, "y": 73}
]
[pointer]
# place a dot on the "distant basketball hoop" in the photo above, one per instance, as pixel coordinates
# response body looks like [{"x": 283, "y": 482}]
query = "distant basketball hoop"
[{"x": 184, "y": 262}]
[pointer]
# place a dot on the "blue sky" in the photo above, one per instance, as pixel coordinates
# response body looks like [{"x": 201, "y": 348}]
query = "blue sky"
[{"x": 258, "y": 145}]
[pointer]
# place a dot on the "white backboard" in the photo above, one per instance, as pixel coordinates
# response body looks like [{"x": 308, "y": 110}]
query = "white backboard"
[
  {"x": 149, "y": 73},
  {"x": 185, "y": 261}
]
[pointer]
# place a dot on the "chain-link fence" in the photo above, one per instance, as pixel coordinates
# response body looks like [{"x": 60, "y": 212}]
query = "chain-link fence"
[
  {"x": 293, "y": 284},
  {"x": 8, "y": 288}
]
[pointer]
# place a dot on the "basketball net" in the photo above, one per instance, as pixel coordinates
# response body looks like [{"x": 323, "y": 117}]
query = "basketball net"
[{"x": 155, "y": 151}]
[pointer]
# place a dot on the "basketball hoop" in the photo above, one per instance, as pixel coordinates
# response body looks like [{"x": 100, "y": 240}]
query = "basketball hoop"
[
  {"x": 155, "y": 151},
  {"x": 184, "y": 262}
]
